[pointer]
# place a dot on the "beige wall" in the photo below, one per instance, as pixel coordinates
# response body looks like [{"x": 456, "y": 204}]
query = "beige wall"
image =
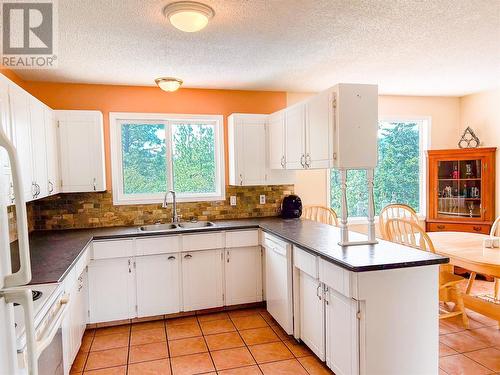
[
  {"x": 481, "y": 112},
  {"x": 443, "y": 111}
]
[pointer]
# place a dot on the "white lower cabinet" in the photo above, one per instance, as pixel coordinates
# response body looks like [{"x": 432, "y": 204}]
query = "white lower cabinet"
[
  {"x": 312, "y": 314},
  {"x": 342, "y": 333},
  {"x": 243, "y": 275},
  {"x": 202, "y": 279},
  {"x": 112, "y": 290},
  {"x": 158, "y": 284}
]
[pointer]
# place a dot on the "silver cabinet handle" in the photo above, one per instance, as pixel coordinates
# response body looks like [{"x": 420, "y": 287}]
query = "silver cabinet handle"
[
  {"x": 38, "y": 190},
  {"x": 241, "y": 179},
  {"x": 51, "y": 187},
  {"x": 283, "y": 162},
  {"x": 171, "y": 257},
  {"x": 33, "y": 190},
  {"x": 317, "y": 292},
  {"x": 303, "y": 161},
  {"x": 95, "y": 184},
  {"x": 308, "y": 160},
  {"x": 12, "y": 196},
  {"x": 227, "y": 258},
  {"x": 188, "y": 256}
]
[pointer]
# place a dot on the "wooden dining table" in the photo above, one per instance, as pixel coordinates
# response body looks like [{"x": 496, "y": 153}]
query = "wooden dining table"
[{"x": 466, "y": 250}]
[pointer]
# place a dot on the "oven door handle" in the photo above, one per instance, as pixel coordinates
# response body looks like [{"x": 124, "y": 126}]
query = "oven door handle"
[
  {"x": 52, "y": 328},
  {"x": 25, "y": 299}
]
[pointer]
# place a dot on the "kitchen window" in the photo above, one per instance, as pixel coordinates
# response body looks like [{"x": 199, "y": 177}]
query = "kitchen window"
[
  {"x": 400, "y": 176},
  {"x": 155, "y": 153}
]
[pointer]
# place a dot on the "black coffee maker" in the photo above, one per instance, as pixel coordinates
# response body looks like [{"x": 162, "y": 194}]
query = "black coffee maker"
[{"x": 291, "y": 207}]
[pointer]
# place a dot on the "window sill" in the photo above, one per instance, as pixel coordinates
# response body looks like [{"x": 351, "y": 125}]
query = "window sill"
[{"x": 194, "y": 199}]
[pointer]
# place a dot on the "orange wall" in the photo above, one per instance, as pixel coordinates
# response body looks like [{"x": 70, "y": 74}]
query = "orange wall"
[{"x": 107, "y": 98}]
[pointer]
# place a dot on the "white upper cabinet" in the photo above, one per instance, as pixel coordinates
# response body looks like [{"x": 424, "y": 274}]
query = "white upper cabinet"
[
  {"x": 319, "y": 131},
  {"x": 53, "y": 179},
  {"x": 82, "y": 151},
  {"x": 247, "y": 149},
  {"x": 6, "y": 193},
  {"x": 39, "y": 147},
  {"x": 295, "y": 125},
  {"x": 276, "y": 145}
]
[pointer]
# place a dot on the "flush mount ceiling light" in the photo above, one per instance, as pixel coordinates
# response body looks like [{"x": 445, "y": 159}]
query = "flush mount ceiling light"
[
  {"x": 188, "y": 16},
  {"x": 168, "y": 83}
]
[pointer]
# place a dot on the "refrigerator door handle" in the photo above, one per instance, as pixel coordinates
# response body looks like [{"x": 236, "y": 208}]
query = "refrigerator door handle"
[
  {"x": 24, "y": 298},
  {"x": 23, "y": 276}
]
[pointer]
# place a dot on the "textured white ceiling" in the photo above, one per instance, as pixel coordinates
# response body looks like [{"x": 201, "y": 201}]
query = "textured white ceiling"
[{"x": 425, "y": 47}]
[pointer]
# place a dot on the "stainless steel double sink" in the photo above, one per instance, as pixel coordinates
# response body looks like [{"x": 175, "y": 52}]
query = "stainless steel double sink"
[{"x": 172, "y": 226}]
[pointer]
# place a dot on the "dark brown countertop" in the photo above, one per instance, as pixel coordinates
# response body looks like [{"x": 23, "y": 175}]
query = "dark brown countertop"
[{"x": 54, "y": 252}]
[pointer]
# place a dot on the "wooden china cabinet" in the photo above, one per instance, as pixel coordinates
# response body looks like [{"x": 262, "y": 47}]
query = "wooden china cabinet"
[{"x": 461, "y": 194}]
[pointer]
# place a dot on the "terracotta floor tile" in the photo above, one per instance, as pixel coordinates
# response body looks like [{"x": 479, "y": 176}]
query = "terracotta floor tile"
[
  {"x": 226, "y": 340},
  {"x": 250, "y": 370},
  {"x": 462, "y": 342},
  {"x": 445, "y": 350},
  {"x": 442, "y": 372},
  {"x": 232, "y": 358},
  {"x": 148, "y": 352},
  {"x": 192, "y": 364},
  {"x": 86, "y": 343},
  {"x": 267, "y": 317},
  {"x": 192, "y": 345},
  {"x": 213, "y": 316},
  {"x": 79, "y": 362},
  {"x": 148, "y": 325},
  {"x": 248, "y": 322},
  {"x": 217, "y": 326},
  {"x": 489, "y": 358},
  {"x": 491, "y": 335},
  {"x": 459, "y": 364},
  {"x": 281, "y": 332},
  {"x": 314, "y": 366},
  {"x": 147, "y": 336},
  {"x": 89, "y": 332},
  {"x": 289, "y": 367},
  {"x": 259, "y": 336},
  {"x": 105, "y": 342},
  {"x": 112, "y": 330},
  {"x": 182, "y": 331},
  {"x": 297, "y": 349},
  {"x": 181, "y": 320},
  {"x": 120, "y": 370},
  {"x": 243, "y": 312},
  {"x": 160, "y": 367},
  {"x": 107, "y": 358},
  {"x": 275, "y": 351}
]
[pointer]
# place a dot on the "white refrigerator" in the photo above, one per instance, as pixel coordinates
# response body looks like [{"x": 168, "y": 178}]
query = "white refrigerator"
[{"x": 11, "y": 284}]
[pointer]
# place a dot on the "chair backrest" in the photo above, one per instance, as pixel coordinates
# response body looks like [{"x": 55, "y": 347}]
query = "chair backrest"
[
  {"x": 395, "y": 211},
  {"x": 494, "y": 232},
  {"x": 321, "y": 214},
  {"x": 408, "y": 233}
]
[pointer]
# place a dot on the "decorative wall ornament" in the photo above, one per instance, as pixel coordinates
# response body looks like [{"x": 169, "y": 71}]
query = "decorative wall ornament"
[{"x": 469, "y": 139}]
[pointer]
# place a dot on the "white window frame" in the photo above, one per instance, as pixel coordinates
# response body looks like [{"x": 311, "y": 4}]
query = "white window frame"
[
  {"x": 117, "y": 118},
  {"x": 424, "y": 128}
]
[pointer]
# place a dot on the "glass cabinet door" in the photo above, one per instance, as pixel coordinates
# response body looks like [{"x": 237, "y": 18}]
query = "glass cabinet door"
[{"x": 459, "y": 192}]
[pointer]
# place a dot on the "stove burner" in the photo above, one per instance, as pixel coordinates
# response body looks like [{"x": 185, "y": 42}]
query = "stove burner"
[{"x": 36, "y": 294}]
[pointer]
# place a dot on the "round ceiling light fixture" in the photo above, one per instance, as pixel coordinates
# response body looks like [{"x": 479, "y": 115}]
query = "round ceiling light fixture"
[
  {"x": 168, "y": 83},
  {"x": 188, "y": 16}
]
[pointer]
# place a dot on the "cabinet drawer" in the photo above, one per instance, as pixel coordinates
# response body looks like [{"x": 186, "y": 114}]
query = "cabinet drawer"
[
  {"x": 305, "y": 261},
  {"x": 273, "y": 241},
  {"x": 458, "y": 227},
  {"x": 202, "y": 241},
  {"x": 335, "y": 277},
  {"x": 158, "y": 245},
  {"x": 83, "y": 261},
  {"x": 242, "y": 238},
  {"x": 112, "y": 249}
]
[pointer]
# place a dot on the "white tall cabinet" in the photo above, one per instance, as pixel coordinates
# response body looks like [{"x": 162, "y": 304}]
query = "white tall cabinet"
[
  {"x": 39, "y": 146},
  {"x": 276, "y": 140},
  {"x": 53, "y": 179}
]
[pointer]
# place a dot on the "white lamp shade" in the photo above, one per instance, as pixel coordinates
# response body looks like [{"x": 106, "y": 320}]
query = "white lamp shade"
[
  {"x": 168, "y": 84},
  {"x": 188, "y": 16}
]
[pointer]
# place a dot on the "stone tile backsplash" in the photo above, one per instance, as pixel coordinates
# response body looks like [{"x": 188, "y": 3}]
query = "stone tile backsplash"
[{"x": 87, "y": 210}]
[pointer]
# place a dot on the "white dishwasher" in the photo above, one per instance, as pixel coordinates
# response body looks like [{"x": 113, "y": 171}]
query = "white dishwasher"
[{"x": 279, "y": 281}]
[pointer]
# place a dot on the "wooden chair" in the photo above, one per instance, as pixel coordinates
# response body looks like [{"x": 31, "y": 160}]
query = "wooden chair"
[
  {"x": 321, "y": 214},
  {"x": 494, "y": 232},
  {"x": 409, "y": 233},
  {"x": 395, "y": 211}
]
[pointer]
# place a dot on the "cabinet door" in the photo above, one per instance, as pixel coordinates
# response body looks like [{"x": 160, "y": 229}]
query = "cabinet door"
[
  {"x": 342, "y": 334},
  {"x": 312, "y": 314},
  {"x": 39, "y": 146},
  {"x": 202, "y": 279},
  {"x": 158, "y": 284},
  {"x": 111, "y": 289},
  {"x": 319, "y": 136},
  {"x": 276, "y": 145},
  {"x": 21, "y": 130},
  {"x": 295, "y": 136},
  {"x": 53, "y": 180},
  {"x": 82, "y": 151},
  {"x": 243, "y": 272}
]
